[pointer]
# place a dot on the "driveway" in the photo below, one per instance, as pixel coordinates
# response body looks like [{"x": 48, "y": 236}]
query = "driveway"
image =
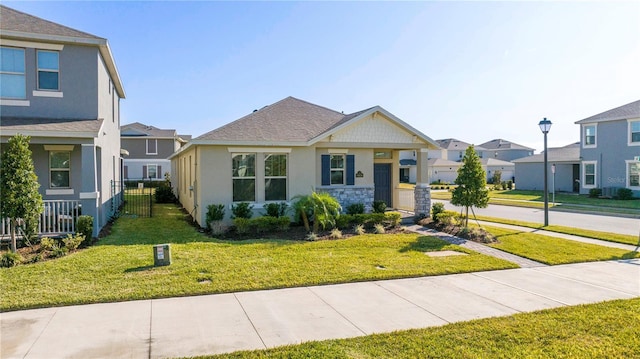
[{"x": 603, "y": 223}]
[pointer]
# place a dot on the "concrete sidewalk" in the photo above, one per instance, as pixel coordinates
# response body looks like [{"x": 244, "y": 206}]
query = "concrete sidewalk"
[{"x": 210, "y": 324}]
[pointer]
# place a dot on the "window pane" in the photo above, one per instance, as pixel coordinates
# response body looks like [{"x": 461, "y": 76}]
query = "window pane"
[
  {"x": 48, "y": 80},
  {"x": 244, "y": 165},
  {"x": 635, "y": 137},
  {"x": 47, "y": 60},
  {"x": 337, "y": 177},
  {"x": 634, "y": 174},
  {"x": 11, "y": 60},
  {"x": 590, "y": 169},
  {"x": 60, "y": 159},
  {"x": 12, "y": 86},
  {"x": 152, "y": 172},
  {"x": 275, "y": 189},
  {"x": 59, "y": 179},
  {"x": 244, "y": 190},
  {"x": 275, "y": 165},
  {"x": 590, "y": 179},
  {"x": 635, "y": 126},
  {"x": 337, "y": 161}
]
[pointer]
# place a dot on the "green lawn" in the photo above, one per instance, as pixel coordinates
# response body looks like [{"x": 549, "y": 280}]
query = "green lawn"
[
  {"x": 551, "y": 250},
  {"x": 605, "y": 236},
  {"x": 603, "y": 330},
  {"x": 121, "y": 268}
]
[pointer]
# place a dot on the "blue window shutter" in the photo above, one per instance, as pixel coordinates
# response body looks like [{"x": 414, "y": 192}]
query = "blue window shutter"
[
  {"x": 351, "y": 169},
  {"x": 326, "y": 170}
]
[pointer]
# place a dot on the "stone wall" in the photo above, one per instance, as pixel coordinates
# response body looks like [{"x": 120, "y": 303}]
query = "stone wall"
[
  {"x": 350, "y": 195},
  {"x": 422, "y": 198}
]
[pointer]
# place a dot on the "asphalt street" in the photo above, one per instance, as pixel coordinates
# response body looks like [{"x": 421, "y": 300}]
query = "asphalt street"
[{"x": 604, "y": 223}]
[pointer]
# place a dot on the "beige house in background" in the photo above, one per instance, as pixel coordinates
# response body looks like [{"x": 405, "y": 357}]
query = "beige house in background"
[{"x": 293, "y": 147}]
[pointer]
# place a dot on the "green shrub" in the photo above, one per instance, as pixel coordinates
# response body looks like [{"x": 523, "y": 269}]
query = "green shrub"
[
  {"x": 48, "y": 244},
  {"x": 71, "y": 243},
  {"x": 624, "y": 194},
  {"x": 164, "y": 194},
  {"x": 214, "y": 217},
  {"x": 242, "y": 210},
  {"x": 436, "y": 208},
  {"x": 242, "y": 225},
  {"x": 10, "y": 259},
  {"x": 379, "y": 206},
  {"x": 276, "y": 209},
  {"x": 85, "y": 226},
  {"x": 375, "y": 218},
  {"x": 355, "y": 208},
  {"x": 509, "y": 184},
  {"x": 344, "y": 221},
  {"x": 392, "y": 219},
  {"x": 595, "y": 192},
  {"x": 359, "y": 229},
  {"x": 447, "y": 218},
  {"x": 59, "y": 252}
]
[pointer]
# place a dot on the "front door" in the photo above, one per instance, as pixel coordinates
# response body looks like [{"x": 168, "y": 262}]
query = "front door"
[
  {"x": 576, "y": 178},
  {"x": 382, "y": 183}
]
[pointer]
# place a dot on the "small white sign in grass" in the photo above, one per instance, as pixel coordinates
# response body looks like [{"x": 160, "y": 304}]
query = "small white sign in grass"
[{"x": 445, "y": 254}]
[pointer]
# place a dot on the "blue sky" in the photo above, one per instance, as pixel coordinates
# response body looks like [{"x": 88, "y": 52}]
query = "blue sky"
[{"x": 474, "y": 71}]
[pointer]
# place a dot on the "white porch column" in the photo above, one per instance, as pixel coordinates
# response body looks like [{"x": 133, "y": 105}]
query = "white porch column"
[
  {"x": 89, "y": 195},
  {"x": 422, "y": 191}
]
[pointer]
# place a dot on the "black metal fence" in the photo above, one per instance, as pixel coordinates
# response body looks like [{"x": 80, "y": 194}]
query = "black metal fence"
[{"x": 134, "y": 198}]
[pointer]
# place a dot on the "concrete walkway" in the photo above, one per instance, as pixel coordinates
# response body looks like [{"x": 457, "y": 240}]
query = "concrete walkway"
[{"x": 209, "y": 324}]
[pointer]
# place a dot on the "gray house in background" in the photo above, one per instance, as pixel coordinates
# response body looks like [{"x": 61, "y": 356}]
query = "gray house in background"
[
  {"x": 610, "y": 150},
  {"x": 453, "y": 150},
  {"x": 529, "y": 171},
  {"x": 504, "y": 150},
  {"x": 148, "y": 150},
  {"x": 61, "y": 87}
]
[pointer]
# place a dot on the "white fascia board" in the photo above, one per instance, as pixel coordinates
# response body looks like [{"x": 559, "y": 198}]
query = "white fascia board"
[
  {"x": 105, "y": 52},
  {"x": 55, "y": 134},
  {"x": 431, "y": 144}
]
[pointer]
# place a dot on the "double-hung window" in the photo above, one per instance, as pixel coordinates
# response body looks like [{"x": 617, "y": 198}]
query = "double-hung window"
[
  {"x": 589, "y": 174},
  {"x": 59, "y": 169},
  {"x": 634, "y": 133},
  {"x": 244, "y": 177},
  {"x": 633, "y": 173},
  {"x": 12, "y": 73},
  {"x": 589, "y": 139},
  {"x": 48, "y": 70},
  {"x": 337, "y": 169},
  {"x": 275, "y": 177}
]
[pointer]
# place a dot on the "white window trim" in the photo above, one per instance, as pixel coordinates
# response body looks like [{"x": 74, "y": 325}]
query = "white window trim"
[
  {"x": 343, "y": 169},
  {"x": 595, "y": 174},
  {"x": 254, "y": 177},
  {"x": 40, "y": 90},
  {"x": 17, "y": 101},
  {"x": 629, "y": 122},
  {"x": 627, "y": 182},
  {"x": 154, "y": 166},
  {"x": 584, "y": 134},
  {"x": 9, "y": 102},
  {"x": 147, "y": 146},
  {"x": 285, "y": 177},
  {"x": 60, "y": 169},
  {"x": 48, "y": 93}
]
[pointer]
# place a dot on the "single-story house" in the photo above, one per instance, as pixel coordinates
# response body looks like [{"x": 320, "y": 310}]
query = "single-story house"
[
  {"x": 564, "y": 161},
  {"x": 294, "y": 147}
]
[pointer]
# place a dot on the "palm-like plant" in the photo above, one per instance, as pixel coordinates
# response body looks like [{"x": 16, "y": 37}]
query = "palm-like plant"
[{"x": 321, "y": 208}]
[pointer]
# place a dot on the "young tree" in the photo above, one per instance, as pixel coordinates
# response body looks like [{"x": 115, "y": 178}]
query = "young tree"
[
  {"x": 472, "y": 184},
  {"x": 19, "y": 185}
]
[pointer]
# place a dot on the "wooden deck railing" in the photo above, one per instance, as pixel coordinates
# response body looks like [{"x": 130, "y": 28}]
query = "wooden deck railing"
[{"x": 58, "y": 217}]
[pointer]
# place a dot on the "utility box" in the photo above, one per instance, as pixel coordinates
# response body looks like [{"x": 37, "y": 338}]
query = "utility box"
[{"x": 161, "y": 255}]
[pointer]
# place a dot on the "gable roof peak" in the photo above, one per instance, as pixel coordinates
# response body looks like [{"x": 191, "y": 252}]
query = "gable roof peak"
[
  {"x": 18, "y": 21},
  {"x": 624, "y": 112}
]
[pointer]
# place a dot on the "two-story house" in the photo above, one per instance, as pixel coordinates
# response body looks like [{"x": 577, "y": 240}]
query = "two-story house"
[
  {"x": 504, "y": 150},
  {"x": 610, "y": 150},
  {"x": 148, "y": 150},
  {"x": 61, "y": 87}
]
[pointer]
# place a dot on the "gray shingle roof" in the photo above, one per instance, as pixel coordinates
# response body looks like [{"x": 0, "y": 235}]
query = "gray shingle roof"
[
  {"x": 13, "y": 20},
  {"x": 290, "y": 120},
  {"x": 630, "y": 110},
  {"x": 495, "y": 162},
  {"x": 138, "y": 129},
  {"x": 457, "y": 145},
  {"x": 61, "y": 127},
  {"x": 500, "y": 144},
  {"x": 569, "y": 153}
]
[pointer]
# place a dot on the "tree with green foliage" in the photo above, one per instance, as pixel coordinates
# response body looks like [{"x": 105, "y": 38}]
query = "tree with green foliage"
[
  {"x": 472, "y": 184},
  {"x": 19, "y": 185}
]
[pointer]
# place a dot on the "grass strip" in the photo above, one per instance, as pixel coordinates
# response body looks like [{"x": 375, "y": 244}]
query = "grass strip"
[
  {"x": 605, "y": 236},
  {"x": 120, "y": 267},
  {"x": 552, "y": 250},
  {"x": 603, "y": 330}
]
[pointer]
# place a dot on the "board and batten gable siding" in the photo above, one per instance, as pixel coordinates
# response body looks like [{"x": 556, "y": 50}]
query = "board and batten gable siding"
[
  {"x": 610, "y": 154},
  {"x": 375, "y": 129},
  {"x": 78, "y": 85}
]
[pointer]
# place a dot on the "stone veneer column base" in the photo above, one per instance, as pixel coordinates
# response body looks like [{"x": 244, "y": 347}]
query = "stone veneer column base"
[
  {"x": 422, "y": 200},
  {"x": 350, "y": 195}
]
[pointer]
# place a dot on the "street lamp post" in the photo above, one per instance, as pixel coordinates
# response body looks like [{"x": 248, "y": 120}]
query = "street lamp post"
[
  {"x": 545, "y": 126},
  {"x": 553, "y": 183}
]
